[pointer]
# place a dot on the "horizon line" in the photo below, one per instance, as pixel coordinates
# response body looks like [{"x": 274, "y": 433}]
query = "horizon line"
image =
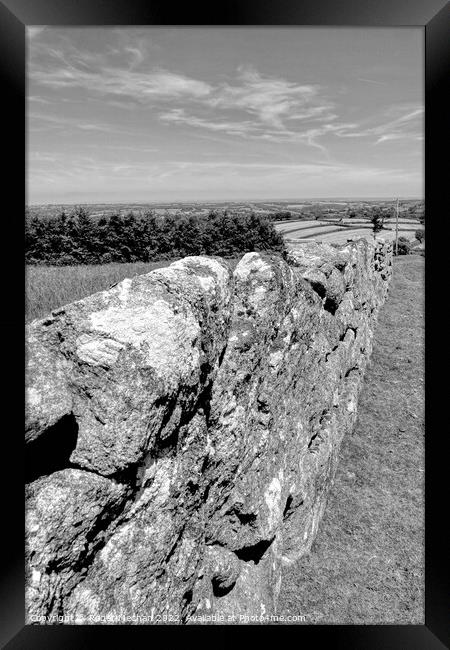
[{"x": 237, "y": 200}]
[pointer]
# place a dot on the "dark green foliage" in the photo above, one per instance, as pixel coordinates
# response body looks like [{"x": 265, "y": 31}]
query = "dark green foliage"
[
  {"x": 417, "y": 211},
  {"x": 404, "y": 246},
  {"x": 420, "y": 235},
  {"x": 318, "y": 213},
  {"x": 80, "y": 239},
  {"x": 283, "y": 215},
  {"x": 377, "y": 217}
]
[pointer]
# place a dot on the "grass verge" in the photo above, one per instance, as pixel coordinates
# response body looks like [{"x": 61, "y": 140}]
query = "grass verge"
[
  {"x": 50, "y": 287},
  {"x": 366, "y": 565}
]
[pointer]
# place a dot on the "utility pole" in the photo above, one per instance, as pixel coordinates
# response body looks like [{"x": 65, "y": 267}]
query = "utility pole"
[{"x": 396, "y": 230}]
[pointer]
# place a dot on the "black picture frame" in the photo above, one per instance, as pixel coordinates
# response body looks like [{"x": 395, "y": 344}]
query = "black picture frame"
[{"x": 434, "y": 16}]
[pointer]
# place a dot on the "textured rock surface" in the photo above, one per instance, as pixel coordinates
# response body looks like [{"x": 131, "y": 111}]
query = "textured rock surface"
[{"x": 205, "y": 411}]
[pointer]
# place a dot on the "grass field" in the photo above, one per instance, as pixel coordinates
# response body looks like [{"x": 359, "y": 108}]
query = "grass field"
[
  {"x": 337, "y": 233},
  {"x": 343, "y": 236},
  {"x": 50, "y": 287},
  {"x": 367, "y": 562}
]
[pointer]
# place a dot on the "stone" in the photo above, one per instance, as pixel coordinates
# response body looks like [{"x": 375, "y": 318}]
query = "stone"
[
  {"x": 209, "y": 408},
  {"x": 129, "y": 361},
  {"x": 47, "y": 395},
  {"x": 67, "y": 516}
]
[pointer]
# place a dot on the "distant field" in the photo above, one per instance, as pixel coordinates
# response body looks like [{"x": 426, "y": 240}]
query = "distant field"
[
  {"x": 341, "y": 237},
  {"x": 50, "y": 287},
  {"x": 337, "y": 205},
  {"x": 304, "y": 225},
  {"x": 338, "y": 233}
]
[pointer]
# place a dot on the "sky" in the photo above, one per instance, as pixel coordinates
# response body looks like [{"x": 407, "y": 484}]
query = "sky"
[{"x": 143, "y": 114}]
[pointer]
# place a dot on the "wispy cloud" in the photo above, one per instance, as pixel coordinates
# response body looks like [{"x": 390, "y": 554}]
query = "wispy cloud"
[
  {"x": 408, "y": 125},
  {"x": 141, "y": 86},
  {"x": 281, "y": 111},
  {"x": 38, "y": 100},
  {"x": 253, "y": 104},
  {"x": 372, "y": 81},
  {"x": 148, "y": 105},
  {"x": 34, "y": 30},
  {"x": 122, "y": 147},
  {"x": 38, "y": 157},
  {"x": 39, "y": 122},
  {"x": 262, "y": 179},
  {"x": 270, "y": 100},
  {"x": 57, "y": 122},
  {"x": 137, "y": 56},
  {"x": 179, "y": 116}
]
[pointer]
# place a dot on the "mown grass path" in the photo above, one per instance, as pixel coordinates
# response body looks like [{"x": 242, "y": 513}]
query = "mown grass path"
[{"x": 366, "y": 564}]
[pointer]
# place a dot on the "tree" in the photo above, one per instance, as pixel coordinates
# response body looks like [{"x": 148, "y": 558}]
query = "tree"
[
  {"x": 283, "y": 215},
  {"x": 420, "y": 235},
  {"x": 377, "y": 219},
  {"x": 82, "y": 239},
  {"x": 404, "y": 246}
]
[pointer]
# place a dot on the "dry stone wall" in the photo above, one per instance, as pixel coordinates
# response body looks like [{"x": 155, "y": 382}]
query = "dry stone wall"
[{"x": 183, "y": 431}]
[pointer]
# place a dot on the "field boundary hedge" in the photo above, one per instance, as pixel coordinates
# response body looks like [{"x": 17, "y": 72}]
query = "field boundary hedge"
[{"x": 78, "y": 238}]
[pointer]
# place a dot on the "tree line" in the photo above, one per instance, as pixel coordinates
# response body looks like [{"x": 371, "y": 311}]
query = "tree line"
[{"x": 78, "y": 238}]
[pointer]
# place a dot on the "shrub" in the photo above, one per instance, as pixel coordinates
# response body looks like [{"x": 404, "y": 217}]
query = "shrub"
[
  {"x": 65, "y": 260},
  {"x": 404, "y": 246},
  {"x": 106, "y": 258},
  {"x": 420, "y": 235},
  {"x": 281, "y": 216}
]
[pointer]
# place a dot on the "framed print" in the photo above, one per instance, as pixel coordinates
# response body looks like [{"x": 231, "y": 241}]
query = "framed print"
[{"x": 225, "y": 289}]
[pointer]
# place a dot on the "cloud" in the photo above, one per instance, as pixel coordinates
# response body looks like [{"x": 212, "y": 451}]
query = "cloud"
[
  {"x": 51, "y": 122},
  {"x": 283, "y": 111},
  {"x": 34, "y": 30},
  {"x": 122, "y": 147},
  {"x": 58, "y": 122},
  {"x": 194, "y": 179},
  {"x": 407, "y": 125},
  {"x": 198, "y": 169},
  {"x": 179, "y": 116},
  {"x": 137, "y": 56},
  {"x": 37, "y": 157},
  {"x": 270, "y": 100},
  {"x": 91, "y": 84},
  {"x": 372, "y": 81},
  {"x": 38, "y": 100},
  {"x": 141, "y": 86},
  {"x": 257, "y": 130},
  {"x": 252, "y": 105}
]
